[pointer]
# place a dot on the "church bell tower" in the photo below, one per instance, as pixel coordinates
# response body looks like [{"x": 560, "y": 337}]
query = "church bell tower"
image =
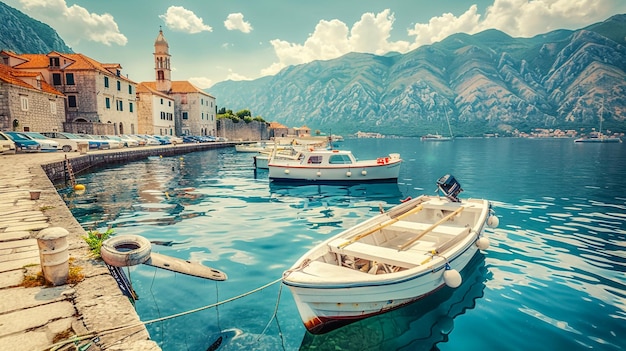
[{"x": 162, "y": 63}]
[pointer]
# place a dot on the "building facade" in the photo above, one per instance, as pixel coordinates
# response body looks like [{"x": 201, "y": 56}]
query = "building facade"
[
  {"x": 28, "y": 103},
  {"x": 95, "y": 92},
  {"x": 155, "y": 111},
  {"x": 194, "y": 110}
]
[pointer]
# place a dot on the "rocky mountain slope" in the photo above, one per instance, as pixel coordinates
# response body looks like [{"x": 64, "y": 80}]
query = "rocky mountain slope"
[
  {"x": 487, "y": 82},
  {"x": 22, "y": 34}
]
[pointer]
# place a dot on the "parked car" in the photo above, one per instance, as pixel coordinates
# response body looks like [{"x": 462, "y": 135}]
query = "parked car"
[
  {"x": 149, "y": 141},
  {"x": 114, "y": 141},
  {"x": 47, "y": 144},
  {"x": 67, "y": 141},
  {"x": 141, "y": 141},
  {"x": 129, "y": 141},
  {"x": 95, "y": 143},
  {"x": 174, "y": 139},
  {"x": 22, "y": 143},
  {"x": 7, "y": 146},
  {"x": 190, "y": 139},
  {"x": 162, "y": 139}
]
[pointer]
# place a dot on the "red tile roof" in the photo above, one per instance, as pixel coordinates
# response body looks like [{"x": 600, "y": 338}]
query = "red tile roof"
[
  {"x": 12, "y": 76},
  {"x": 72, "y": 62},
  {"x": 180, "y": 86}
]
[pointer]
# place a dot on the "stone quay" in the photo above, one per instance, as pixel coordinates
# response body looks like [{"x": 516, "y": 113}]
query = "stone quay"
[{"x": 91, "y": 314}]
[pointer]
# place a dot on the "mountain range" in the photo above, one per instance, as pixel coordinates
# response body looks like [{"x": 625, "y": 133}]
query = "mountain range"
[
  {"x": 488, "y": 82},
  {"x": 25, "y": 35}
]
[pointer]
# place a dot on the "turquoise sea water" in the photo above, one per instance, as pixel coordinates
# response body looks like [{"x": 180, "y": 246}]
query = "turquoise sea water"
[{"x": 553, "y": 279}]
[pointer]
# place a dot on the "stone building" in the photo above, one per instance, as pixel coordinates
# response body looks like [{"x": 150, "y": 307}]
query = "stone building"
[
  {"x": 28, "y": 103},
  {"x": 95, "y": 92},
  {"x": 155, "y": 111},
  {"x": 194, "y": 109}
]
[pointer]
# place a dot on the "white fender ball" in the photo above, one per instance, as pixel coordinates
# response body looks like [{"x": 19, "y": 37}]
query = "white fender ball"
[
  {"x": 286, "y": 171},
  {"x": 493, "y": 221},
  {"x": 452, "y": 278},
  {"x": 348, "y": 174},
  {"x": 363, "y": 172},
  {"x": 482, "y": 243},
  {"x": 319, "y": 173}
]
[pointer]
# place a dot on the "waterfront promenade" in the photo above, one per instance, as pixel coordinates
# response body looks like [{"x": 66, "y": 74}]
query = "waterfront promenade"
[{"x": 93, "y": 313}]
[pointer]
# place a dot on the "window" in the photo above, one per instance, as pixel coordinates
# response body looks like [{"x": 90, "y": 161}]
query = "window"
[
  {"x": 130, "y": 106},
  {"x": 54, "y": 62},
  {"x": 24, "y": 101},
  {"x": 106, "y": 82},
  {"x": 53, "y": 107},
  {"x": 315, "y": 159},
  {"x": 169, "y": 103},
  {"x": 107, "y": 103},
  {"x": 130, "y": 89},
  {"x": 185, "y": 116},
  {"x": 71, "y": 101},
  {"x": 56, "y": 78},
  {"x": 119, "y": 85},
  {"x": 342, "y": 159},
  {"x": 69, "y": 78},
  {"x": 120, "y": 105},
  {"x": 161, "y": 101}
]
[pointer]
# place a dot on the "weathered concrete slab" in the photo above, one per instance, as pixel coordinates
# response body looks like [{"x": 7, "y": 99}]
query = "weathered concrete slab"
[{"x": 35, "y": 317}]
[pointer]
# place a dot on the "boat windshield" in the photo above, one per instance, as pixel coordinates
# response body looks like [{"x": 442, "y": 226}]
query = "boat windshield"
[{"x": 340, "y": 159}]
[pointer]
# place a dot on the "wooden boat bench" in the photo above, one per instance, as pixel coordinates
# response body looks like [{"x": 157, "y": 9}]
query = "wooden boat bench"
[{"x": 392, "y": 256}]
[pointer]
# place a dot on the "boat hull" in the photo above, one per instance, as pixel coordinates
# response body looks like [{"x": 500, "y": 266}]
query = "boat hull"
[
  {"x": 324, "y": 309},
  {"x": 354, "y": 173}
]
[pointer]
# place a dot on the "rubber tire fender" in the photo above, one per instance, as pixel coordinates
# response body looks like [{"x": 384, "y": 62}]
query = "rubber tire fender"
[{"x": 125, "y": 250}]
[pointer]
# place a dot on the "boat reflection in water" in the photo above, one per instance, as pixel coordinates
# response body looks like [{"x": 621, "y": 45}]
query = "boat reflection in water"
[
  {"x": 364, "y": 191},
  {"x": 418, "y": 326}
]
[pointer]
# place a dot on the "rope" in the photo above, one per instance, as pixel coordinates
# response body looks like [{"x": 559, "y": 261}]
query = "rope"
[{"x": 93, "y": 334}]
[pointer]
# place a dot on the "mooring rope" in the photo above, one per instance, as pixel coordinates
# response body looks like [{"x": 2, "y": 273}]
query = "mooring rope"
[{"x": 93, "y": 334}]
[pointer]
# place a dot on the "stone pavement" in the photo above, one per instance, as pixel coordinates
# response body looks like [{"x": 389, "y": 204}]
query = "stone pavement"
[{"x": 37, "y": 318}]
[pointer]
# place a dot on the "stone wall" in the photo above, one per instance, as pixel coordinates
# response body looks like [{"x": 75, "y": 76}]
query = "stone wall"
[
  {"x": 254, "y": 130},
  {"x": 38, "y": 117},
  {"x": 57, "y": 171}
]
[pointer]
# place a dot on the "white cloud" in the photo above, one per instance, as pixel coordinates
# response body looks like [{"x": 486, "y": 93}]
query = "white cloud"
[
  {"x": 518, "y": 18},
  {"x": 235, "y": 21},
  {"x": 235, "y": 76},
  {"x": 180, "y": 19},
  {"x": 333, "y": 38},
  {"x": 75, "y": 23},
  {"x": 201, "y": 82}
]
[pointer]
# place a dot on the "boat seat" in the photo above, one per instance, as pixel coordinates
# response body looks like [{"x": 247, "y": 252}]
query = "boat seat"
[
  {"x": 450, "y": 230},
  {"x": 412, "y": 257}
]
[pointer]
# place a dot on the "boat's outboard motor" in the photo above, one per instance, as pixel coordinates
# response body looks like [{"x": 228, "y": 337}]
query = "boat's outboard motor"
[{"x": 450, "y": 187}]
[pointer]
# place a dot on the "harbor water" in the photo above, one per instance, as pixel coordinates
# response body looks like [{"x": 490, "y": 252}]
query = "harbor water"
[{"x": 552, "y": 279}]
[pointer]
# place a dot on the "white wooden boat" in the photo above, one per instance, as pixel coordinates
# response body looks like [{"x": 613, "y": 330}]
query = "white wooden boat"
[
  {"x": 253, "y": 147},
  {"x": 332, "y": 166},
  {"x": 390, "y": 260}
]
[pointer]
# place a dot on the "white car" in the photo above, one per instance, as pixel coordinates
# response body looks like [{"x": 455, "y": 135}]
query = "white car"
[
  {"x": 115, "y": 142},
  {"x": 67, "y": 141},
  {"x": 7, "y": 146},
  {"x": 47, "y": 144},
  {"x": 128, "y": 141}
]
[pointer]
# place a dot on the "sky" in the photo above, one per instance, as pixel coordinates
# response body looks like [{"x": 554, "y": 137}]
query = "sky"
[{"x": 216, "y": 40}]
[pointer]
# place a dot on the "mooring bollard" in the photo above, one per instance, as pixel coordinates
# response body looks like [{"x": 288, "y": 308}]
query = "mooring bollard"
[{"x": 54, "y": 255}]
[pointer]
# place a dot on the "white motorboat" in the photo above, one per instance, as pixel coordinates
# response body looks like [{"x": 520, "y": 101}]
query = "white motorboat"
[
  {"x": 332, "y": 166},
  {"x": 390, "y": 260}
]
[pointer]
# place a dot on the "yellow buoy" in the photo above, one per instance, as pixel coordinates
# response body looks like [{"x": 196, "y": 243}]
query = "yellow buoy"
[{"x": 79, "y": 187}]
